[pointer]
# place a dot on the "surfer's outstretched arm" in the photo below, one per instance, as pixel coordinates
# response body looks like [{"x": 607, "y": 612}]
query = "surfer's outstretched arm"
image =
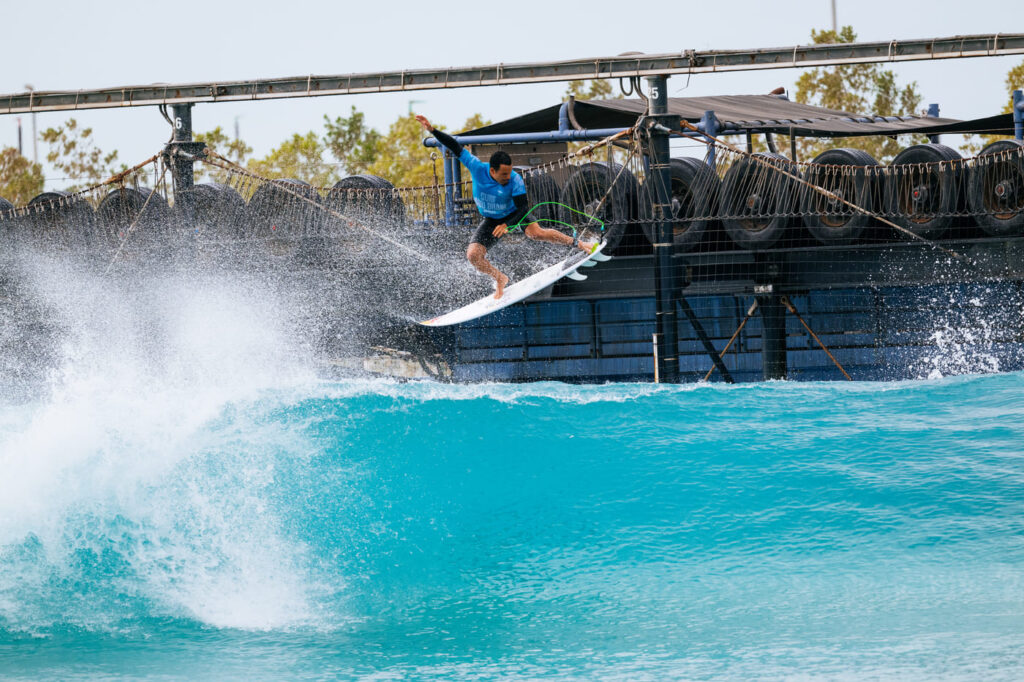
[{"x": 444, "y": 138}]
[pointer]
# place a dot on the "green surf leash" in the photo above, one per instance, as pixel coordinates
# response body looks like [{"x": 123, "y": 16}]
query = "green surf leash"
[{"x": 553, "y": 220}]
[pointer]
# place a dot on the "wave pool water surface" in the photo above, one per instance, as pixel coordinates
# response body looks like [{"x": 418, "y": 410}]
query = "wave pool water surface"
[{"x": 290, "y": 529}]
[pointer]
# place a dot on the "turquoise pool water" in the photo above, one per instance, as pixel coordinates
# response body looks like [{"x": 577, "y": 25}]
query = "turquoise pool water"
[{"x": 274, "y": 526}]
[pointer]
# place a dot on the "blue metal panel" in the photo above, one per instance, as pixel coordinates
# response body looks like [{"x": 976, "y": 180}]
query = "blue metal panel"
[
  {"x": 690, "y": 347},
  {"x": 625, "y": 309},
  {"x": 849, "y": 340},
  {"x": 495, "y": 371},
  {"x": 577, "y": 350},
  {"x": 846, "y": 322},
  {"x": 506, "y": 317},
  {"x": 625, "y": 332},
  {"x": 831, "y": 300},
  {"x": 567, "y": 312},
  {"x": 634, "y": 348},
  {"x": 492, "y": 337},
  {"x": 492, "y": 353},
  {"x": 803, "y": 359},
  {"x": 877, "y": 334},
  {"x": 567, "y": 333}
]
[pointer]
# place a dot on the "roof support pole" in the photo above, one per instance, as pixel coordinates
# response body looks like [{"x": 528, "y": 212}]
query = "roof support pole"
[
  {"x": 933, "y": 112},
  {"x": 665, "y": 291},
  {"x": 709, "y": 124},
  {"x": 457, "y": 190},
  {"x": 1018, "y": 114},
  {"x": 449, "y": 188}
]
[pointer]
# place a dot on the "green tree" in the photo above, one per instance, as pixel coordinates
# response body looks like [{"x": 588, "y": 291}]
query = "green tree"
[
  {"x": 300, "y": 157},
  {"x": 233, "y": 149},
  {"x": 74, "y": 153},
  {"x": 475, "y": 121},
  {"x": 1014, "y": 81},
  {"x": 403, "y": 160},
  {"x": 595, "y": 89},
  {"x": 354, "y": 144},
  {"x": 856, "y": 88},
  {"x": 401, "y": 157},
  {"x": 20, "y": 179}
]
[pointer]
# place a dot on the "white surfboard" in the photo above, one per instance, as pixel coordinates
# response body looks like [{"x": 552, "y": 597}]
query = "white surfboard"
[{"x": 516, "y": 292}]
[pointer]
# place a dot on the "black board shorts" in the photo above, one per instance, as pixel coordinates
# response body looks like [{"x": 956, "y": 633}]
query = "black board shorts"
[{"x": 484, "y": 233}]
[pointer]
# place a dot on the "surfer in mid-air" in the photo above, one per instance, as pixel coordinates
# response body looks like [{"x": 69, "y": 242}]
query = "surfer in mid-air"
[{"x": 500, "y": 196}]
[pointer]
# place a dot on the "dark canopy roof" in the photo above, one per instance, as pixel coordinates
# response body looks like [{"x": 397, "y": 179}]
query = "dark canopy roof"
[{"x": 748, "y": 112}]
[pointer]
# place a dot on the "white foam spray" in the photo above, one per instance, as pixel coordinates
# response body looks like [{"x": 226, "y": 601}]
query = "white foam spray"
[{"x": 146, "y": 462}]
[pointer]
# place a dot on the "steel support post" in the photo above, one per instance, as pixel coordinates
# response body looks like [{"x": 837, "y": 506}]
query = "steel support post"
[
  {"x": 773, "y": 337},
  {"x": 449, "y": 191},
  {"x": 933, "y": 112},
  {"x": 457, "y": 191},
  {"x": 709, "y": 124},
  {"x": 181, "y": 116},
  {"x": 180, "y": 154},
  {"x": 666, "y": 325},
  {"x": 1018, "y": 114}
]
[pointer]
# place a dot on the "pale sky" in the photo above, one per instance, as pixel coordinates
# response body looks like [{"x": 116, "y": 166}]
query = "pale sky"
[{"x": 73, "y": 45}]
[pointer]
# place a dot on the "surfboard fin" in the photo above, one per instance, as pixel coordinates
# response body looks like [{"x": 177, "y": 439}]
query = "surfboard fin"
[{"x": 576, "y": 276}]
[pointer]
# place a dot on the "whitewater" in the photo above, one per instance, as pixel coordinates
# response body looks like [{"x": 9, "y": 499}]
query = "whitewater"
[{"x": 184, "y": 495}]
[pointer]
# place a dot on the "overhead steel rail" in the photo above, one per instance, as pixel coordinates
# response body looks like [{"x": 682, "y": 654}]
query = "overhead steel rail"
[{"x": 622, "y": 66}]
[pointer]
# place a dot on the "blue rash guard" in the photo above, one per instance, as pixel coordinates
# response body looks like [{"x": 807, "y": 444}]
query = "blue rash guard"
[{"x": 493, "y": 199}]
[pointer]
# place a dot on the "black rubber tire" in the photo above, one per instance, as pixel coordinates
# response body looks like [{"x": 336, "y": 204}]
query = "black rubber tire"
[
  {"x": 367, "y": 197},
  {"x": 122, "y": 207},
  {"x": 61, "y": 220},
  {"x": 832, "y": 222},
  {"x": 585, "y": 188},
  {"x": 996, "y": 188},
  {"x": 542, "y": 194},
  {"x": 373, "y": 206},
  {"x": 276, "y": 214},
  {"x": 219, "y": 212},
  {"x": 751, "y": 220},
  {"x": 7, "y": 218},
  {"x": 922, "y": 190},
  {"x": 695, "y": 190}
]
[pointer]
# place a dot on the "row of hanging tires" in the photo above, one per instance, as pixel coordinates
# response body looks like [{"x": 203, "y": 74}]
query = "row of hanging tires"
[
  {"x": 924, "y": 191},
  {"x": 286, "y": 214}
]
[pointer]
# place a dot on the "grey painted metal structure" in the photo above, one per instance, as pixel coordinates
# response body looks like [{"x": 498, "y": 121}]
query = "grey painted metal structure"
[{"x": 622, "y": 66}]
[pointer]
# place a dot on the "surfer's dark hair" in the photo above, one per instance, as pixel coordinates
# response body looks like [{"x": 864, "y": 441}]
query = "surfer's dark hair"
[{"x": 499, "y": 159}]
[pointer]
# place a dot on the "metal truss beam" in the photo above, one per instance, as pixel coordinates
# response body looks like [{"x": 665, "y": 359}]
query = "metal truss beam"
[{"x": 622, "y": 66}]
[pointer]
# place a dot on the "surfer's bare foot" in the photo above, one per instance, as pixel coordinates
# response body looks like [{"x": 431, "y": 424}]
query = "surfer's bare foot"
[
  {"x": 587, "y": 247},
  {"x": 499, "y": 283}
]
